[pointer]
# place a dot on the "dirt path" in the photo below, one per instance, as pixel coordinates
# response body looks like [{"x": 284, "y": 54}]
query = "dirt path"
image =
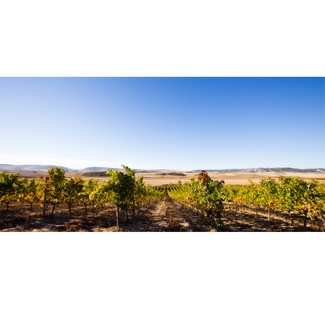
[{"x": 166, "y": 215}]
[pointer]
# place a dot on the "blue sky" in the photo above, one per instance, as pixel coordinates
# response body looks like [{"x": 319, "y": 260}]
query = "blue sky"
[{"x": 172, "y": 123}]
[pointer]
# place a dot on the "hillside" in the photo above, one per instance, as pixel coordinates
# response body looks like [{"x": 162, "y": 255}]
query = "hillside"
[
  {"x": 99, "y": 169},
  {"x": 30, "y": 168},
  {"x": 37, "y": 168},
  {"x": 266, "y": 170}
]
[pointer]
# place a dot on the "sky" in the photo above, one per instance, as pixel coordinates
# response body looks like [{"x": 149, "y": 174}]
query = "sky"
[{"x": 163, "y": 123}]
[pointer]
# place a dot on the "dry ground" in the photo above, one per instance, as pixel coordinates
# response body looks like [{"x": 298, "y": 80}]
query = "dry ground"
[
  {"x": 162, "y": 216},
  {"x": 236, "y": 178}
]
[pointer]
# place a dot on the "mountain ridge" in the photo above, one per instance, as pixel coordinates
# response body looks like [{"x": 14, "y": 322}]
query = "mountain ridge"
[
  {"x": 266, "y": 170},
  {"x": 35, "y": 168},
  {"x": 31, "y": 168}
]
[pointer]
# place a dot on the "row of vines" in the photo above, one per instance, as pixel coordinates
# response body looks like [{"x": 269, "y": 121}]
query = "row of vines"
[
  {"x": 122, "y": 189},
  {"x": 204, "y": 195},
  {"x": 287, "y": 195}
]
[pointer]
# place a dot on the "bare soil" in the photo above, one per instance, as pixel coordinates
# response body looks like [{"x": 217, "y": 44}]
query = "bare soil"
[
  {"x": 156, "y": 179},
  {"x": 166, "y": 215}
]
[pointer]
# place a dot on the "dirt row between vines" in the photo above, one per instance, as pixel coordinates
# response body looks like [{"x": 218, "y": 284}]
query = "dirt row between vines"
[
  {"x": 161, "y": 216},
  {"x": 166, "y": 215}
]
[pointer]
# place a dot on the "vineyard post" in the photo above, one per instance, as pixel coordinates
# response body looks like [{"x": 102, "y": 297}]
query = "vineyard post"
[
  {"x": 117, "y": 216},
  {"x": 305, "y": 219},
  {"x": 323, "y": 221},
  {"x": 44, "y": 198},
  {"x": 307, "y": 212}
]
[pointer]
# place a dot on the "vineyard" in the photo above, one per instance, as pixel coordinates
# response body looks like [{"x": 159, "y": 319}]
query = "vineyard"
[{"x": 125, "y": 203}]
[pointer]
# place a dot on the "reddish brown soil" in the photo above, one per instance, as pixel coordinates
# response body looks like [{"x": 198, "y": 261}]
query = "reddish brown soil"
[{"x": 162, "y": 216}]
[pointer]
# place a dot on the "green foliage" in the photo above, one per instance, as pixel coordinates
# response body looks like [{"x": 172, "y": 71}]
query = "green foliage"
[
  {"x": 140, "y": 193},
  {"x": 121, "y": 187},
  {"x": 89, "y": 191},
  {"x": 203, "y": 194},
  {"x": 289, "y": 195},
  {"x": 31, "y": 191},
  {"x": 71, "y": 190},
  {"x": 267, "y": 190},
  {"x": 8, "y": 186},
  {"x": 55, "y": 186}
]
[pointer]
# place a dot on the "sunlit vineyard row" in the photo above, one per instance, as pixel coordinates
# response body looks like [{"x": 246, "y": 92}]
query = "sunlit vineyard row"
[
  {"x": 288, "y": 195},
  {"x": 122, "y": 189}
]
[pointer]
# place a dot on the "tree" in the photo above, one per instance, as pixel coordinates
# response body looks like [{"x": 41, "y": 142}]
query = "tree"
[
  {"x": 30, "y": 191},
  {"x": 205, "y": 195},
  {"x": 298, "y": 196},
  {"x": 267, "y": 190},
  {"x": 7, "y": 188},
  {"x": 140, "y": 195},
  {"x": 121, "y": 189},
  {"x": 88, "y": 189},
  {"x": 71, "y": 190},
  {"x": 54, "y": 186}
]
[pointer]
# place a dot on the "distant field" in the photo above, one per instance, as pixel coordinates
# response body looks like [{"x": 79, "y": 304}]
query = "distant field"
[
  {"x": 316, "y": 179},
  {"x": 155, "y": 179}
]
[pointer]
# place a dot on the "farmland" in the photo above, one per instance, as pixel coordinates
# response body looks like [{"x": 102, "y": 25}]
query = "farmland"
[{"x": 173, "y": 202}]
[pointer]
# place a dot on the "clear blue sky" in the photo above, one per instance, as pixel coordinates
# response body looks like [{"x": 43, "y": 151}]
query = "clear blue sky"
[{"x": 172, "y": 123}]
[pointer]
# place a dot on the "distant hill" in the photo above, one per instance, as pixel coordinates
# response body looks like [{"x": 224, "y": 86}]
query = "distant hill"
[
  {"x": 98, "y": 169},
  {"x": 102, "y": 169},
  {"x": 30, "y": 168},
  {"x": 266, "y": 170},
  {"x": 38, "y": 168}
]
